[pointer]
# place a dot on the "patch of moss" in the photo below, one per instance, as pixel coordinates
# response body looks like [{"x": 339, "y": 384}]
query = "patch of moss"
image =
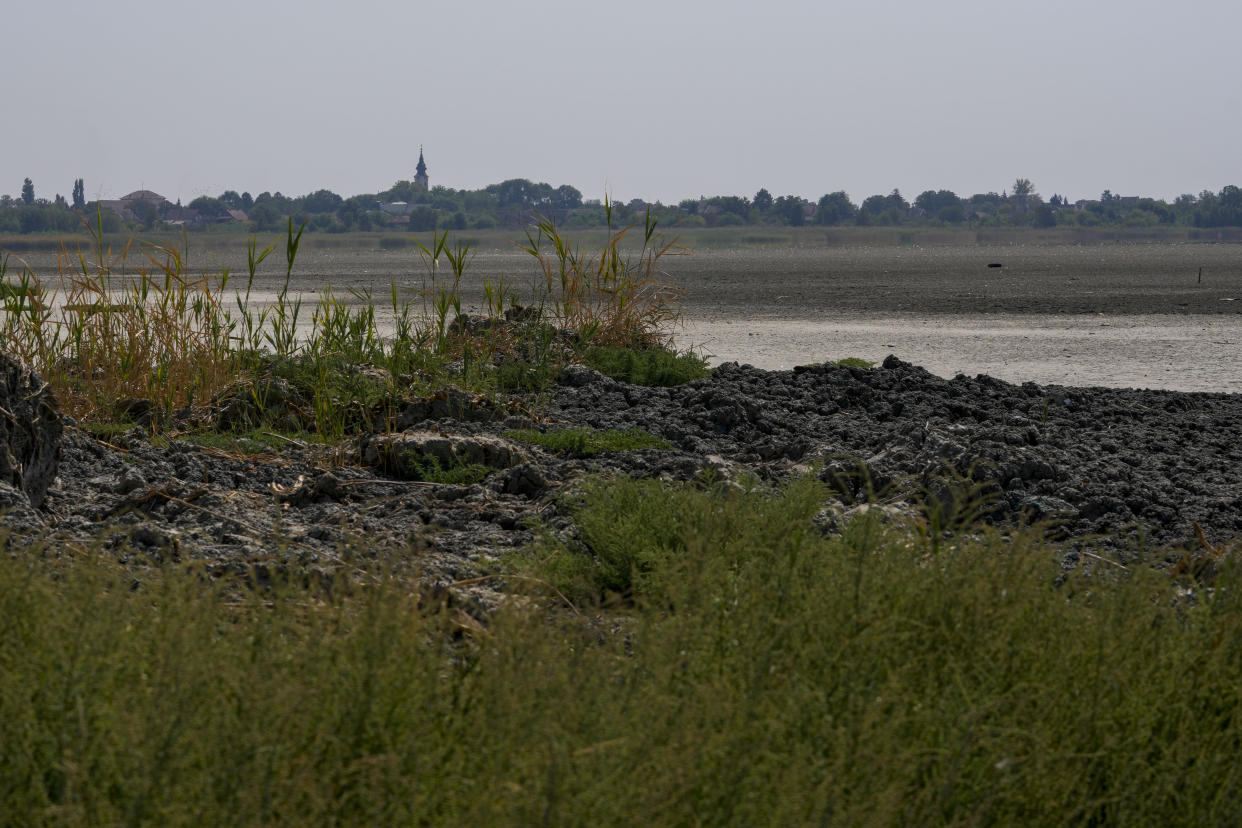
[
  {"x": 587, "y": 442},
  {"x": 655, "y": 367}
]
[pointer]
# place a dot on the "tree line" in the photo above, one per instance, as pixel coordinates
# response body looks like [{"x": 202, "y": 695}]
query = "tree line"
[{"x": 512, "y": 203}]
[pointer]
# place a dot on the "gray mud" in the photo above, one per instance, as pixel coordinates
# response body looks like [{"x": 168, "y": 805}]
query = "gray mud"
[{"x": 1130, "y": 470}]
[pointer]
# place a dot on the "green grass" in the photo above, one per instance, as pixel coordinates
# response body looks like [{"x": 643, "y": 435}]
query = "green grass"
[
  {"x": 586, "y": 442},
  {"x": 743, "y": 669},
  {"x": 105, "y": 330},
  {"x": 854, "y": 362},
  {"x": 658, "y": 366}
]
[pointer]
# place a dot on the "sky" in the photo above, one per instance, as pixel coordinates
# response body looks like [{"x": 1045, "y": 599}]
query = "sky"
[{"x": 654, "y": 100}]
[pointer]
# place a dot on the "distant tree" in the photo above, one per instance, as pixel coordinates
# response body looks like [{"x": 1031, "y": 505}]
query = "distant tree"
[
  {"x": 951, "y": 214},
  {"x": 247, "y": 201},
  {"x": 459, "y": 221},
  {"x": 835, "y": 208},
  {"x": 689, "y": 205},
  {"x": 210, "y": 207},
  {"x": 515, "y": 192},
  {"x": 789, "y": 208},
  {"x": 762, "y": 201},
  {"x": 28, "y": 195},
  {"x": 736, "y": 205},
  {"x": 79, "y": 194},
  {"x": 878, "y": 205},
  {"x": 566, "y": 197},
  {"x": 1044, "y": 216},
  {"x": 347, "y": 213},
  {"x": 321, "y": 201},
  {"x": 231, "y": 199},
  {"x": 264, "y": 216},
  {"x": 33, "y": 220},
  {"x": 60, "y": 202},
  {"x": 1023, "y": 192},
  {"x": 147, "y": 213},
  {"x": 933, "y": 201},
  {"x": 422, "y": 219}
]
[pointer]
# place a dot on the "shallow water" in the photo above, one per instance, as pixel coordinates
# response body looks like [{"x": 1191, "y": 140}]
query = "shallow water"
[{"x": 1184, "y": 353}]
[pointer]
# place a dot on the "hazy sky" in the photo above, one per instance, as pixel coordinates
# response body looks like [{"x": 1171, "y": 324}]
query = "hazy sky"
[{"x": 656, "y": 100}]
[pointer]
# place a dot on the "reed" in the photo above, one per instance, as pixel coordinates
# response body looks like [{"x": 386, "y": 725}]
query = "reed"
[{"x": 108, "y": 328}]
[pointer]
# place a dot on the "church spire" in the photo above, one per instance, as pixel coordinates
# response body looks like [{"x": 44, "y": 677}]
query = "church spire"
[{"x": 420, "y": 172}]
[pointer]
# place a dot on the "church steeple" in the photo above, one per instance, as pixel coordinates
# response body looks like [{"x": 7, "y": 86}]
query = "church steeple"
[{"x": 420, "y": 172}]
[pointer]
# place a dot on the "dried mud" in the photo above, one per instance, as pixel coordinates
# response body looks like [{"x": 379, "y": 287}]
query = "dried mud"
[{"x": 1130, "y": 470}]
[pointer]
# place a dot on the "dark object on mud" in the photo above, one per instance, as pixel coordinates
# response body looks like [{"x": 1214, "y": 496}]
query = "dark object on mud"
[
  {"x": 30, "y": 430},
  {"x": 995, "y": 264}
]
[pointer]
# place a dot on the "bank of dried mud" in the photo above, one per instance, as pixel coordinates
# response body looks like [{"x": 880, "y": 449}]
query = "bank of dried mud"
[{"x": 1131, "y": 471}]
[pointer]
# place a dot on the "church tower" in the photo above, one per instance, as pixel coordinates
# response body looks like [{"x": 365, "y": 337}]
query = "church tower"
[{"x": 420, "y": 172}]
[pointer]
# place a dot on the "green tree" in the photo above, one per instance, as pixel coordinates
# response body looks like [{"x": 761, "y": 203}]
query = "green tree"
[
  {"x": 835, "y": 208},
  {"x": 1023, "y": 193},
  {"x": 1044, "y": 216},
  {"x": 515, "y": 192},
  {"x": 933, "y": 201},
  {"x": 789, "y": 208},
  {"x": 28, "y": 195},
  {"x": 422, "y": 219},
  {"x": 892, "y": 206},
  {"x": 566, "y": 197},
  {"x": 33, "y": 220},
  {"x": 762, "y": 201},
  {"x": 264, "y": 217},
  {"x": 79, "y": 194},
  {"x": 951, "y": 214},
  {"x": 321, "y": 201},
  {"x": 210, "y": 207},
  {"x": 146, "y": 213}
]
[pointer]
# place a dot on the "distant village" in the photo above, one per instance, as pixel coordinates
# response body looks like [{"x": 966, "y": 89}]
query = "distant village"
[{"x": 417, "y": 206}]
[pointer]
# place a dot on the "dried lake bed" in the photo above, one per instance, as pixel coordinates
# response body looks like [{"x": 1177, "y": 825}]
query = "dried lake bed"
[{"x": 1147, "y": 315}]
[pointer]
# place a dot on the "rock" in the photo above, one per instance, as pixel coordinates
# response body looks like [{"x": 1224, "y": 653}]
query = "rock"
[
  {"x": 579, "y": 376},
  {"x": 410, "y": 453},
  {"x": 268, "y": 400},
  {"x": 30, "y": 430},
  {"x": 448, "y": 404}
]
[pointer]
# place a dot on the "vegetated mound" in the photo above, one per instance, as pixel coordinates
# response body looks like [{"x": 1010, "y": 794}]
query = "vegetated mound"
[
  {"x": 446, "y": 494},
  {"x": 1096, "y": 460}
]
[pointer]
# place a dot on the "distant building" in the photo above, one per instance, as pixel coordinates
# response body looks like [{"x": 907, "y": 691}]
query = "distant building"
[{"x": 420, "y": 173}]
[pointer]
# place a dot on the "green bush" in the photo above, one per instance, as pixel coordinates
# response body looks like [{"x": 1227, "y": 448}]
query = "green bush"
[
  {"x": 763, "y": 674},
  {"x": 586, "y": 442},
  {"x": 657, "y": 366}
]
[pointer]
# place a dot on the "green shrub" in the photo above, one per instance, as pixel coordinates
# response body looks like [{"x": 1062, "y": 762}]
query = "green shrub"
[
  {"x": 657, "y": 366},
  {"x": 762, "y": 673},
  {"x": 586, "y": 442}
]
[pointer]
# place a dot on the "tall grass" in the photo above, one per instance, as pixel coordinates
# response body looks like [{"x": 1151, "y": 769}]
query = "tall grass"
[
  {"x": 107, "y": 328},
  {"x": 608, "y": 297},
  {"x": 756, "y": 673}
]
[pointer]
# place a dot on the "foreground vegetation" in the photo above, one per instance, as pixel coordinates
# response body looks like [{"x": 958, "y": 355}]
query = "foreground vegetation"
[
  {"x": 753, "y": 672},
  {"x": 699, "y": 654}
]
